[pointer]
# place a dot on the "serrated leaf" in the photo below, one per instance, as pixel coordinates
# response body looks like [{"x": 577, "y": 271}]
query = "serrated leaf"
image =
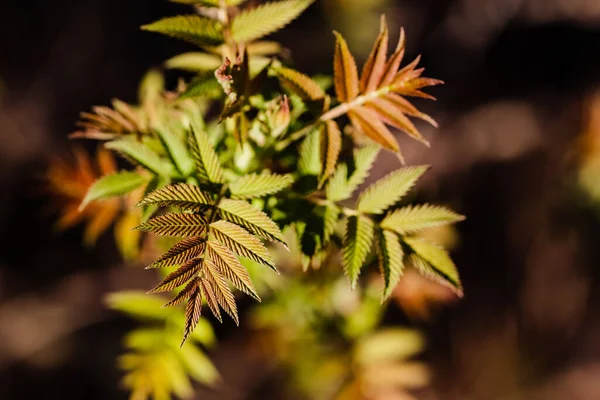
[
  {"x": 345, "y": 71},
  {"x": 358, "y": 238},
  {"x": 254, "y": 23},
  {"x": 390, "y": 257},
  {"x": 330, "y": 147},
  {"x": 310, "y": 163},
  {"x": 406, "y": 107},
  {"x": 140, "y": 154},
  {"x": 184, "y": 294},
  {"x": 330, "y": 220},
  {"x": 193, "y": 310},
  {"x": 180, "y": 252},
  {"x": 375, "y": 65},
  {"x": 259, "y": 185},
  {"x": 389, "y": 190},
  {"x": 195, "y": 62},
  {"x": 221, "y": 289},
  {"x": 182, "y": 195},
  {"x": 299, "y": 84},
  {"x": 230, "y": 267},
  {"x": 412, "y": 219},
  {"x": 395, "y": 60},
  {"x": 180, "y": 276},
  {"x": 208, "y": 293},
  {"x": 241, "y": 242},
  {"x": 442, "y": 266},
  {"x": 364, "y": 158},
  {"x": 175, "y": 225},
  {"x": 207, "y": 162},
  {"x": 251, "y": 218},
  {"x": 112, "y": 185},
  {"x": 197, "y": 30},
  {"x": 337, "y": 188},
  {"x": 368, "y": 122}
]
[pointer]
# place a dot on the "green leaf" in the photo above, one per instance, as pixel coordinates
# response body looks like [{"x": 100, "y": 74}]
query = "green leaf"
[
  {"x": 113, "y": 185},
  {"x": 241, "y": 242},
  {"x": 181, "y": 195},
  {"x": 412, "y": 219},
  {"x": 435, "y": 262},
  {"x": 195, "y": 62},
  {"x": 204, "y": 85},
  {"x": 140, "y": 154},
  {"x": 138, "y": 304},
  {"x": 207, "y": 162},
  {"x": 197, "y": 30},
  {"x": 330, "y": 220},
  {"x": 390, "y": 256},
  {"x": 310, "y": 162},
  {"x": 175, "y": 225},
  {"x": 267, "y": 18},
  {"x": 389, "y": 190},
  {"x": 259, "y": 185},
  {"x": 176, "y": 148},
  {"x": 249, "y": 217},
  {"x": 358, "y": 239},
  {"x": 340, "y": 186},
  {"x": 198, "y": 365},
  {"x": 337, "y": 188}
]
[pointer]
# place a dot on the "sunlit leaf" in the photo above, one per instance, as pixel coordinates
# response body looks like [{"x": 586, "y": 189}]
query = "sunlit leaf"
[{"x": 358, "y": 239}]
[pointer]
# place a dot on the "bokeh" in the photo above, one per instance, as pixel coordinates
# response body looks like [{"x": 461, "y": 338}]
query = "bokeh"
[{"x": 517, "y": 152}]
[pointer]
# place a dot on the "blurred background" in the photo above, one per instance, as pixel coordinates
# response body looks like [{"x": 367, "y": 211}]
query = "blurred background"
[{"x": 517, "y": 152}]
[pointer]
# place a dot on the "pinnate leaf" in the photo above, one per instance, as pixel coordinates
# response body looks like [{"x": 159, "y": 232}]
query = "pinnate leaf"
[
  {"x": 208, "y": 293},
  {"x": 254, "y": 23},
  {"x": 434, "y": 262},
  {"x": 184, "y": 294},
  {"x": 197, "y": 30},
  {"x": 389, "y": 190},
  {"x": 180, "y": 276},
  {"x": 175, "y": 225},
  {"x": 253, "y": 186},
  {"x": 412, "y": 219},
  {"x": 113, "y": 185},
  {"x": 358, "y": 239},
  {"x": 241, "y": 242},
  {"x": 221, "y": 290},
  {"x": 390, "y": 256},
  {"x": 181, "y": 195},
  {"x": 345, "y": 71},
  {"x": 230, "y": 267},
  {"x": 193, "y": 310},
  {"x": 180, "y": 252},
  {"x": 251, "y": 218}
]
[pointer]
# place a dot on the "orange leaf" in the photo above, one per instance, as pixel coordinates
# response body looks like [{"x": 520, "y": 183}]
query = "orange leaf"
[
  {"x": 345, "y": 71},
  {"x": 396, "y": 118},
  {"x": 407, "y": 108},
  {"x": 394, "y": 62},
  {"x": 331, "y": 144},
  {"x": 193, "y": 310},
  {"x": 375, "y": 65},
  {"x": 367, "y": 121}
]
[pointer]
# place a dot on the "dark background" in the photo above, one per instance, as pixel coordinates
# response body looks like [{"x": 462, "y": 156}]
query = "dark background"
[{"x": 519, "y": 75}]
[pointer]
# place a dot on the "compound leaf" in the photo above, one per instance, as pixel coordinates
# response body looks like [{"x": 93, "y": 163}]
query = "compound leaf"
[
  {"x": 254, "y": 220},
  {"x": 181, "y": 195},
  {"x": 258, "y": 185},
  {"x": 241, "y": 242},
  {"x": 175, "y": 225},
  {"x": 180, "y": 252},
  {"x": 230, "y": 267}
]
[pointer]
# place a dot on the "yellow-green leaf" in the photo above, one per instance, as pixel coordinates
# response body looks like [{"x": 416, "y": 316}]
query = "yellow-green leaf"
[
  {"x": 252, "y": 186},
  {"x": 195, "y": 29},
  {"x": 390, "y": 256},
  {"x": 413, "y": 219},
  {"x": 434, "y": 262},
  {"x": 251, "y": 218},
  {"x": 358, "y": 239}
]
